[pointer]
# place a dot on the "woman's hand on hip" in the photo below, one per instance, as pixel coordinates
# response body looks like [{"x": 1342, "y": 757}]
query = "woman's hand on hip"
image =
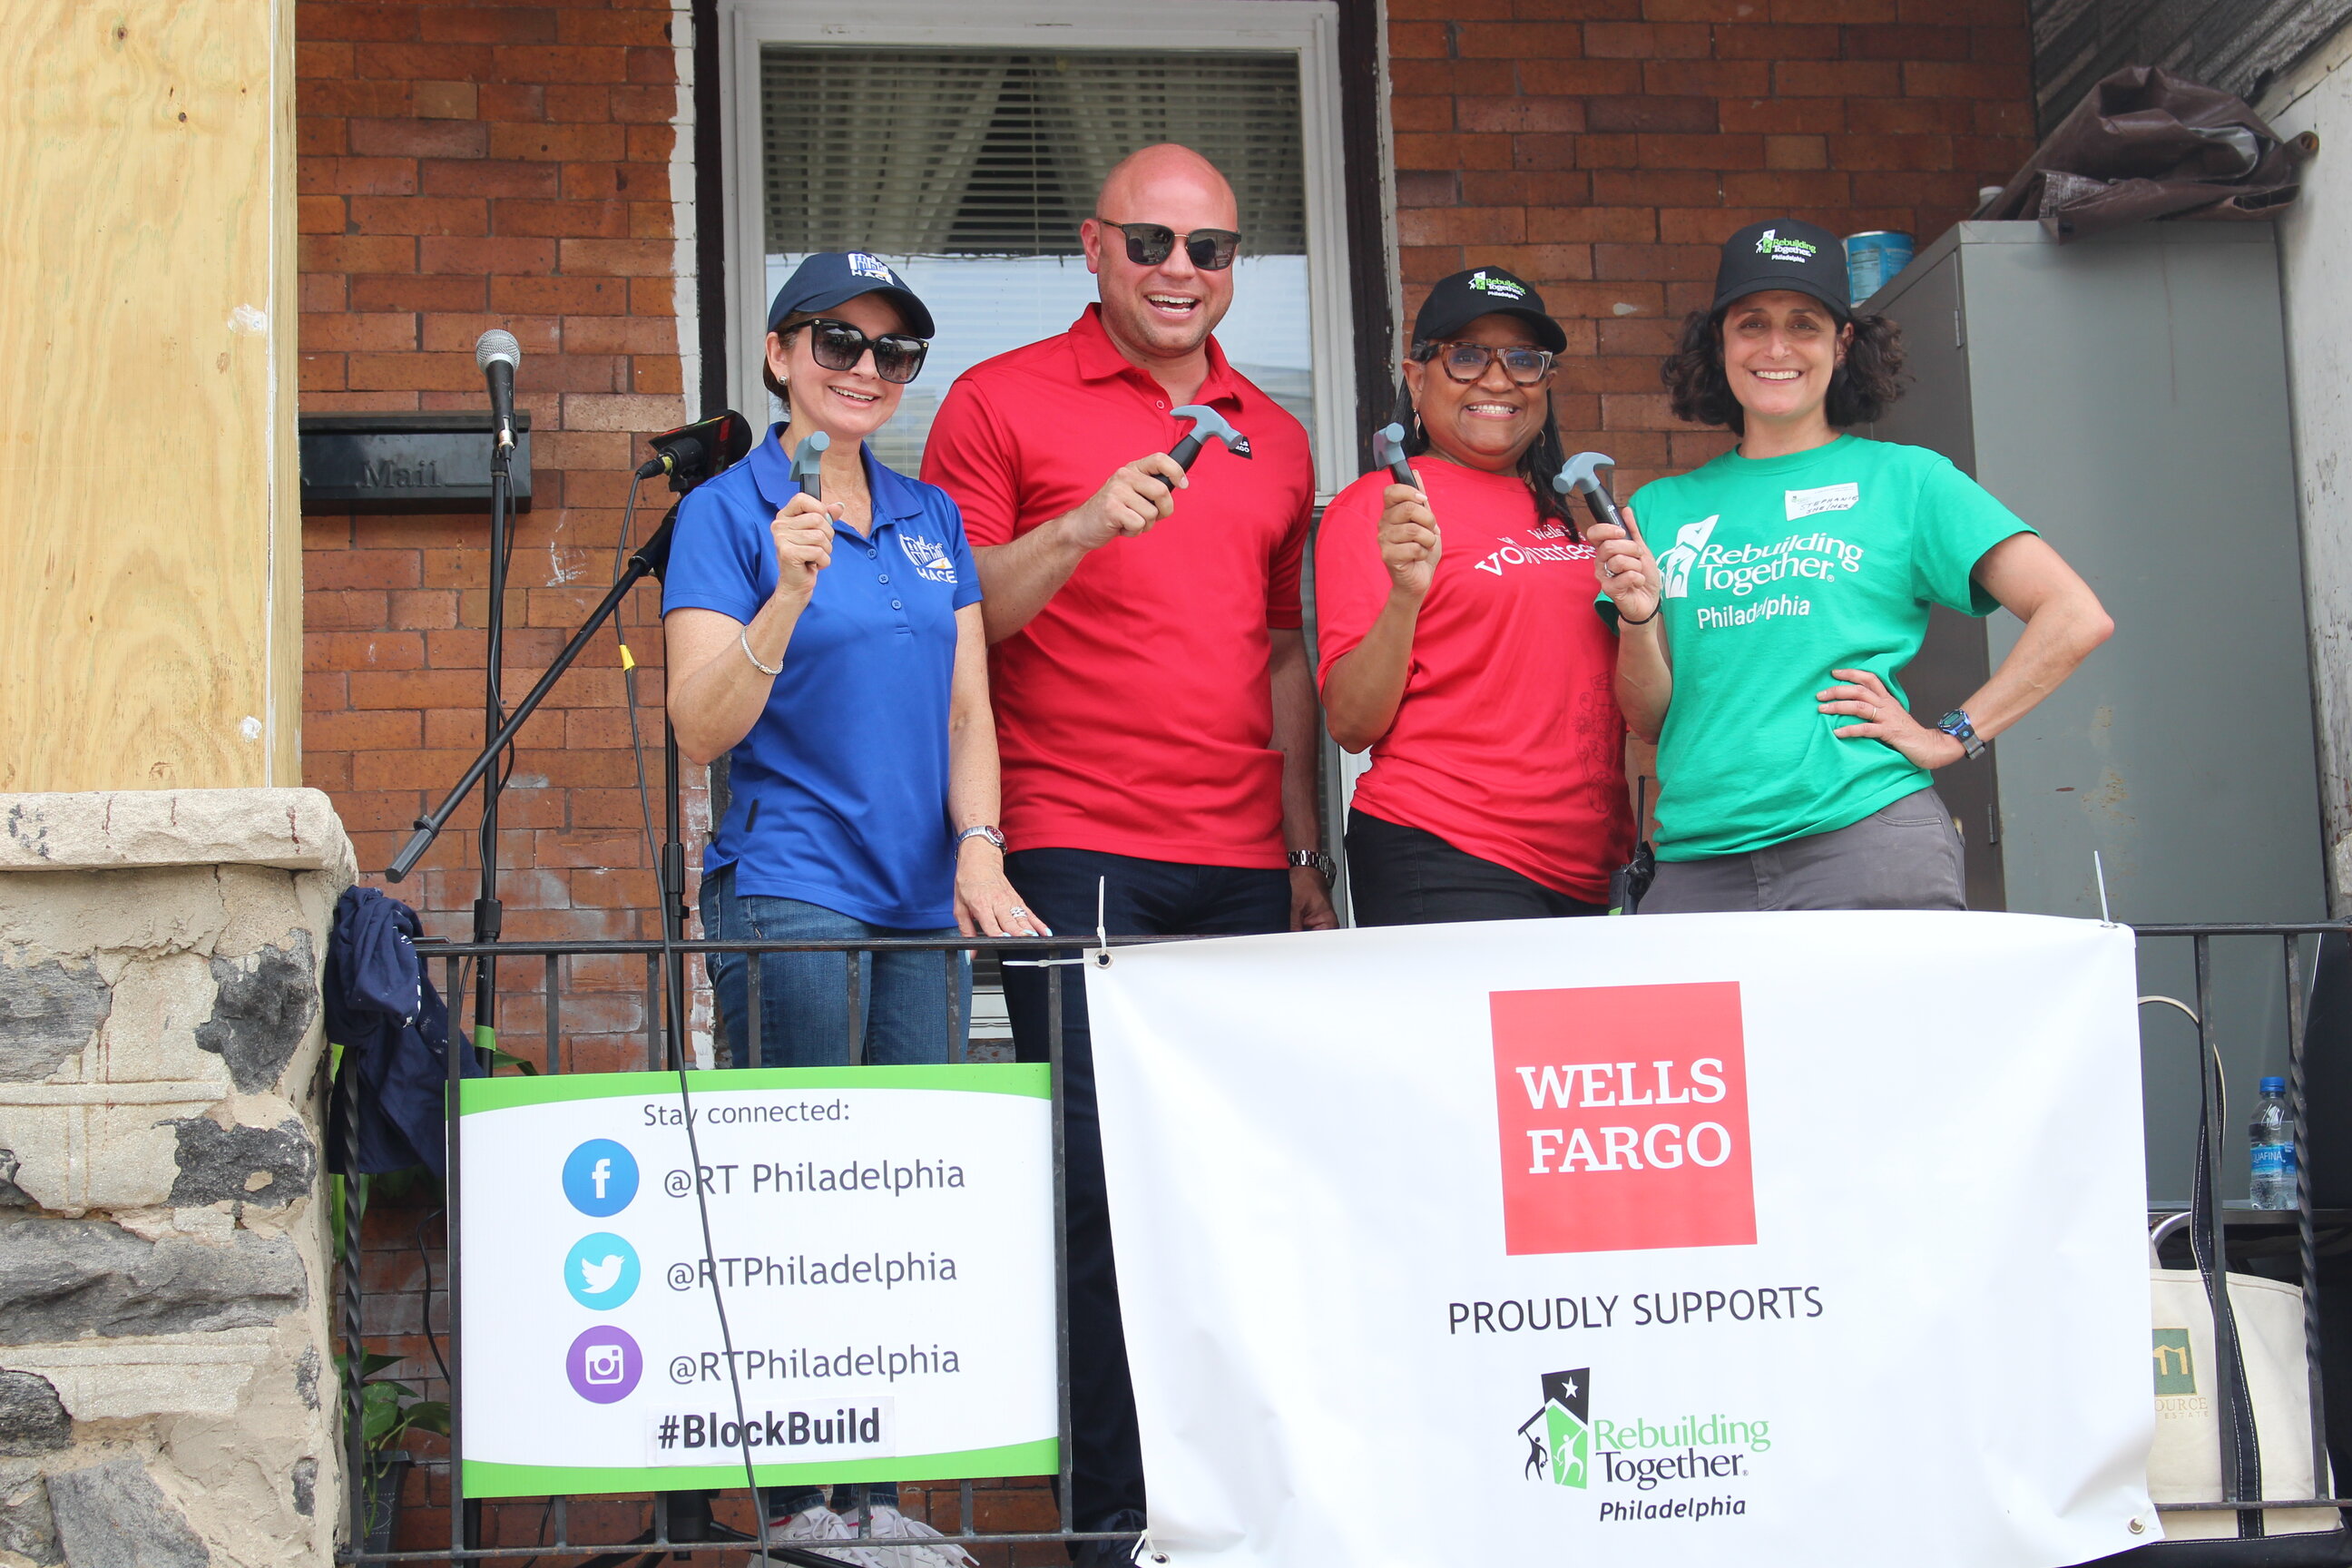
[
  {"x": 985, "y": 903},
  {"x": 1410, "y": 542},
  {"x": 804, "y": 535},
  {"x": 1627, "y": 572},
  {"x": 1864, "y": 697}
]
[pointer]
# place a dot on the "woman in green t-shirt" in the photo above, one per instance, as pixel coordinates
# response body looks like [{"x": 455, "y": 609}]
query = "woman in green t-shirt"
[{"x": 1759, "y": 645}]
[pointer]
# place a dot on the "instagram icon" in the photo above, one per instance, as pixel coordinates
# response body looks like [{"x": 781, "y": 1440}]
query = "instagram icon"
[{"x": 604, "y": 1365}]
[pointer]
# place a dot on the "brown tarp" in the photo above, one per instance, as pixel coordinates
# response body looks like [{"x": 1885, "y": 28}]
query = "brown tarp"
[{"x": 2145, "y": 144}]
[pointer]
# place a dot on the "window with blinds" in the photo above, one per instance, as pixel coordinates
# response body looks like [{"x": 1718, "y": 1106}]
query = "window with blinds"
[{"x": 970, "y": 171}]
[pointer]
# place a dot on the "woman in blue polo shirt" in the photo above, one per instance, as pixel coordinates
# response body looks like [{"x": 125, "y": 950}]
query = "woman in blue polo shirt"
[{"x": 833, "y": 652}]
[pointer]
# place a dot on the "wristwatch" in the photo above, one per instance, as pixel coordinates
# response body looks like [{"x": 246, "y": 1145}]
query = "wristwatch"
[
  {"x": 1957, "y": 726},
  {"x": 994, "y": 836},
  {"x": 1315, "y": 861}
]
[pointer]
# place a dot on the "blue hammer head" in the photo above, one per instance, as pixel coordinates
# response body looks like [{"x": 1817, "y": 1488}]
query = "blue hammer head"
[
  {"x": 1388, "y": 449},
  {"x": 1580, "y": 475},
  {"x": 808, "y": 462},
  {"x": 1208, "y": 425}
]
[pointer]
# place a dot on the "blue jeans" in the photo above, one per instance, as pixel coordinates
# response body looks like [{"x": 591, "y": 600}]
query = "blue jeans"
[
  {"x": 804, "y": 1006},
  {"x": 804, "y": 1022},
  {"x": 1142, "y": 897}
]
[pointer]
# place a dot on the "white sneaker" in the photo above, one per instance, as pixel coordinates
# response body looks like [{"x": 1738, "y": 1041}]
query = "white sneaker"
[
  {"x": 817, "y": 1523},
  {"x": 934, "y": 1549}
]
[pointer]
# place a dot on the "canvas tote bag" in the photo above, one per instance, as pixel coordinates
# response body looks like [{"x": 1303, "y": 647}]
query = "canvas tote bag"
[
  {"x": 2185, "y": 1465},
  {"x": 2245, "y": 1391}
]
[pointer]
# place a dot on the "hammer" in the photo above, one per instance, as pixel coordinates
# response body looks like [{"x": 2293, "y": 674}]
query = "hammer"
[
  {"x": 1580, "y": 475},
  {"x": 807, "y": 461},
  {"x": 1208, "y": 425},
  {"x": 1388, "y": 446}
]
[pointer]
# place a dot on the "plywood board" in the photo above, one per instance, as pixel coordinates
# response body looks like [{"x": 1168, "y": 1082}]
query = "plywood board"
[{"x": 152, "y": 636}]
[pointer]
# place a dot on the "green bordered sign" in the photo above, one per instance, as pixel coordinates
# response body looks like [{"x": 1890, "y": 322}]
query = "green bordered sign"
[{"x": 882, "y": 1238}]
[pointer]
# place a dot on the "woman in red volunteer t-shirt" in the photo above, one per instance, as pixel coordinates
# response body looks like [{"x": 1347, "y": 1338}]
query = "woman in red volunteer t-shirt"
[{"x": 1458, "y": 640}]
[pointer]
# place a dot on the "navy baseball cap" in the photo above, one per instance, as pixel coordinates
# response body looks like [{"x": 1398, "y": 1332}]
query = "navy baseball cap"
[
  {"x": 1786, "y": 253},
  {"x": 1458, "y": 300},
  {"x": 830, "y": 277}
]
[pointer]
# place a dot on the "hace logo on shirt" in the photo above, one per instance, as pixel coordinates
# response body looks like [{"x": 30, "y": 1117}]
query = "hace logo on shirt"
[
  {"x": 1674, "y": 565},
  {"x": 930, "y": 561},
  {"x": 1622, "y": 1114}
]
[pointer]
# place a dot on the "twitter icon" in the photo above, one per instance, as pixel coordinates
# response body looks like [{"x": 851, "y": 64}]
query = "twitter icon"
[{"x": 601, "y": 1271}]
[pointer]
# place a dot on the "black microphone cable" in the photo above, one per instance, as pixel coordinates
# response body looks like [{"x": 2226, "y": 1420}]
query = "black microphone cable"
[{"x": 678, "y": 1006}]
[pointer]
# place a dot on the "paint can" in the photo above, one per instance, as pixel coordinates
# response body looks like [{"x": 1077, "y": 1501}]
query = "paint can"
[{"x": 1873, "y": 260}]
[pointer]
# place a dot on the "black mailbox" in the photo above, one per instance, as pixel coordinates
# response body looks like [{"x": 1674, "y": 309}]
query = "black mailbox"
[{"x": 407, "y": 462}]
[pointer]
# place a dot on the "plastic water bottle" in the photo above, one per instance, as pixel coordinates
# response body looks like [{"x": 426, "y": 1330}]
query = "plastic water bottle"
[{"x": 2273, "y": 1149}]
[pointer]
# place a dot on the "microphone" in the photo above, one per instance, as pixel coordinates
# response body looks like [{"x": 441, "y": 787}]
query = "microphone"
[
  {"x": 499, "y": 356},
  {"x": 699, "y": 449}
]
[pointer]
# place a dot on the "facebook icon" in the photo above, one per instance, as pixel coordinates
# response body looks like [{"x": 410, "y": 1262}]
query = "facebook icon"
[{"x": 600, "y": 1177}]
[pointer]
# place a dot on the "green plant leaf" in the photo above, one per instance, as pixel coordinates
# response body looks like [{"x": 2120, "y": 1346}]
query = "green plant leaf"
[{"x": 380, "y": 1414}]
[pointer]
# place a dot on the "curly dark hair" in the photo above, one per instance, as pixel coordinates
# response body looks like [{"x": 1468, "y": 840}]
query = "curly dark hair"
[
  {"x": 1537, "y": 465},
  {"x": 1861, "y": 389}
]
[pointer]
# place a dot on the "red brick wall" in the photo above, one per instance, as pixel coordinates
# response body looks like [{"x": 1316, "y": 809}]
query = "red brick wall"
[
  {"x": 463, "y": 166},
  {"x": 1603, "y": 148}
]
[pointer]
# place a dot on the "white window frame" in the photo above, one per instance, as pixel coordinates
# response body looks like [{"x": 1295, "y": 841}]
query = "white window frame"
[{"x": 1307, "y": 29}]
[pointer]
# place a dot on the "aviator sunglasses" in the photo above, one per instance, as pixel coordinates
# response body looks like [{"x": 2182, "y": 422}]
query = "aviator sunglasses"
[
  {"x": 1148, "y": 244},
  {"x": 837, "y": 346},
  {"x": 1466, "y": 363}
]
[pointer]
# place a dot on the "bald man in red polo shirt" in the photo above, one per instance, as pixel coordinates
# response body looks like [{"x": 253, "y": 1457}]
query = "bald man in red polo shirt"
[{"x": 1154, "y": 703}]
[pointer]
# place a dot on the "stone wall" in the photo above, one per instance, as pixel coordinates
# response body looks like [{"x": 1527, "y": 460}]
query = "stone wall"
[{"x": 166, "y": 1378}]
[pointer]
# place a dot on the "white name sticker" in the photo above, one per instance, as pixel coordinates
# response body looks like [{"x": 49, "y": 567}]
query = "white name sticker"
[{"x": 1829, "y": 498}]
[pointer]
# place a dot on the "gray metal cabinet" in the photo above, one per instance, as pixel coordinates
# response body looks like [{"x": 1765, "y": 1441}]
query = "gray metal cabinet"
[{"x": 2128, "y": 395}]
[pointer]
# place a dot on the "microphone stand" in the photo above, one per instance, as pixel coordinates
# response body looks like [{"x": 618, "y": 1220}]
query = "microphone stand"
[
  {"x": 488, "y": 915},
  {"x": 648, "y": 561}
]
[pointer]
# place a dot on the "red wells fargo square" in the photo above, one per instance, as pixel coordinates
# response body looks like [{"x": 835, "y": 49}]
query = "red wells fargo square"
[{"x": 1624, "y": 1118}]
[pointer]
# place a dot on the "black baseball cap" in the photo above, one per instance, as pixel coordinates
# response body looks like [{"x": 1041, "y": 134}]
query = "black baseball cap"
[
  {"x": 830, "y": 277},
  {"x": 1786, "y": 253},
  {"x": 1456, "y": 301}
]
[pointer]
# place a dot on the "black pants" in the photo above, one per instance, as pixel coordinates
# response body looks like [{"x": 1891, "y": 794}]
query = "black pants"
[
  {"x": 1401, "y": 876},
  {"x": 1143, "y": 898}
]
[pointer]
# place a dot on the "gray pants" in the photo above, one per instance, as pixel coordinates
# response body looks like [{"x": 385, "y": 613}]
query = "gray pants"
[{"x": 1906, "y": 855}]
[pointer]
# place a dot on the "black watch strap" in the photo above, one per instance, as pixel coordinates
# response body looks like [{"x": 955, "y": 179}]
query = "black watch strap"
[{"x": 1957, "y": 725}]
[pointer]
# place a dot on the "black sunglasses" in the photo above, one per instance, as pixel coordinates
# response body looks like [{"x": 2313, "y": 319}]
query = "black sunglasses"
[
  {"x": 1148, "y": 244},
  {"x": 837, "y": 346},
  {"x": 1467, "y": 362}
]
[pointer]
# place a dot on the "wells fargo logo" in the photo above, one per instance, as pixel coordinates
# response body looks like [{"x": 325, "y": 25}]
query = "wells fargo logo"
[{"x": 1623, "y": 1114}]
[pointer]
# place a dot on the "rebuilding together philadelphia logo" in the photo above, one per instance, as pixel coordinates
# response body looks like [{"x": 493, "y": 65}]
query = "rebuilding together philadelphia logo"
[{"x": 1566, "y": 1441}]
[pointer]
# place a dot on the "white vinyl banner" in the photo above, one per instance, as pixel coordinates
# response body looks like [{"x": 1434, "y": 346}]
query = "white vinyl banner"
[
  {"x": 882, "y": 1237},
  {"x": 1687, "y": 1240}
]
